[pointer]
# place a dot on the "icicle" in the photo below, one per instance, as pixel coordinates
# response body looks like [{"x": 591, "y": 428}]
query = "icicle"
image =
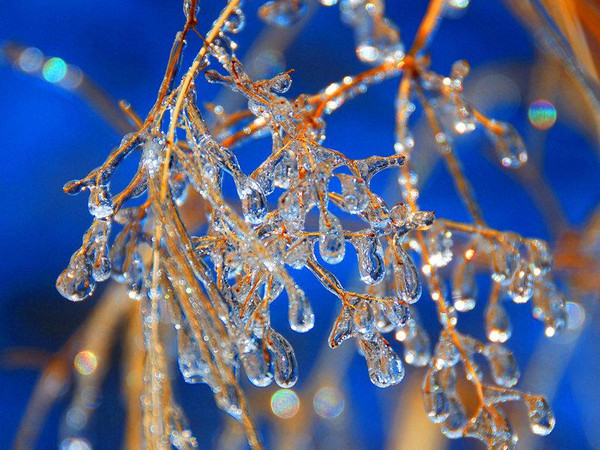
[
  {"x": 456, "y": 421},
  {"x": 254, "y": 203},
  {"x": 191, "y": 365},
  {"x": 99, "y": 203},
  {"x": 540, "y": 257},
  {"x": 503, "y": 365},
  {"x": 446, "y": 353},
  {"x": 284, "y": 360},
  {"x": 464, "y": 288},
  {"x": 342, "y": 329},
  {"x": 364, "y": 318},
  {"x": 406, "y": 276},
  {"x": 541, "y": 418},
  {"x": 371, "y": 264},
  {"x": 440, "y": 245},
  {"x": 256, "y": 366},
  {"x": 416, "y": 348},
  {"x": 520, "y": 288},
  {"x": 76, "y": 283},
  {"x": 286, "y": 171},
  {"x": 509, "y": 145},
  {"x": 385, "y": 367},
  {"x": 354, "y": 193},
  {"x": 434, "y": 398},
  {"x": 497, "y": 323},
  {"x": 331, "y": 240},
  {"x": 301, "y": 316}
]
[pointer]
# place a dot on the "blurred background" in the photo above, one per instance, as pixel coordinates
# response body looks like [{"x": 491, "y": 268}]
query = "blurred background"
[{"x": 48, "y": 136}]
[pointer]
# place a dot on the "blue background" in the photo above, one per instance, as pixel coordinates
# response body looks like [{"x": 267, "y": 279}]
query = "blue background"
[{"x": 49, "y": 136}]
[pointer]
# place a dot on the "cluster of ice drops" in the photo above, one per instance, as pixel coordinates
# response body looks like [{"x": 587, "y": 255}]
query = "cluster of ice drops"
[{"x": 305, "y": 207}]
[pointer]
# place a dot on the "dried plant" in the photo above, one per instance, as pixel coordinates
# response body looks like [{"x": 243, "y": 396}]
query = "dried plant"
[{"x": 215, "y": 286}]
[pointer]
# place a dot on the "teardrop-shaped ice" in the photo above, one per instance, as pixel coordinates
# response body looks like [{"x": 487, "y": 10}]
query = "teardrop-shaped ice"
[
  {"x": 342, "y": 329},
  {"x": 541, "y": 417},
  {"x": 371, "y": 265},
  {"x": 235, "y": 21},
  {"x": 406, "y": 277},
  {"x": 191, "y": 365},
  {"x": 99, "y": 203},
  {"x": 228, "y": 400},
  {"x": 434, "y": 398},
  {"x": 364, "y": 318},
  {"x": 505, "y": 260},
  {"x": 417, "y": 351},
  {"x": 300, "y": 313},
  {"x": 331, "y": 240},
  {"x": 286, "y": 170},
  {"x": 397, "y": 313},
  {"x": 256, "y": 366},
  {"x": 76, "y": 283},
  {"x": 446, "y": 353},
  {"x": 503, "y": 364},
  {"x": 382, "y": 319},
  {"x": 384, "y": 365},
  {"x": 540, "y": 256},
  {"x": 354, "y": 194},
  {"x": 440, "y": 245},
  {"x": 456, "y": 421},
  {"x": 254, "y": 203},
  {"x": 497, "y": 323},
  {"x": 101, "y": 266},
  {"x": 463, "y": 286},
  {"x": 508, "y": 144},
  {"x": 298, "y": 252},
  {"x": 284, "y": 360},
  {"x": 520, "y": 288}
]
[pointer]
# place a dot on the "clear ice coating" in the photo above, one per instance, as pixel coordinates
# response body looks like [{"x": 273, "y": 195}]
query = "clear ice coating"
[{"x": 216, "y": 287}]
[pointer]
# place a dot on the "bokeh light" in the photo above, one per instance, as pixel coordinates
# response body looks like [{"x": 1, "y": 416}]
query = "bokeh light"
[
  {"x": 30, "y": 60},
  {"x": 75, "y": 444},
  {"x": 575, "y": 315},
  {"x": 85, "y": 362},
  {"x": 285, "y": 403},
  {"x": 54, "y": 70},
  {"x": 328, "y": 402},
  {"x": 542, "y": 114}
]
